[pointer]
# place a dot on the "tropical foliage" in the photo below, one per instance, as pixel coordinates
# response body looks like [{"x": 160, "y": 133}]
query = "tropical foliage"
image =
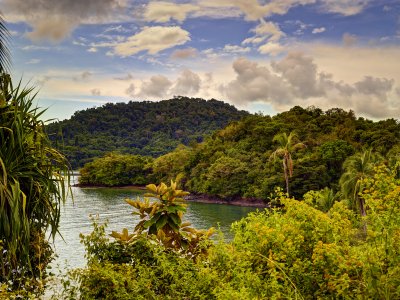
[
  {"x": 33, "y": 183},
  {"x": 291, "y": 252},
  {"x": 287, "y": 145},
  {"x": 116, "y": 170},
  {"x": 144, "y": 128},
  {"x": 236, "y": 161}
]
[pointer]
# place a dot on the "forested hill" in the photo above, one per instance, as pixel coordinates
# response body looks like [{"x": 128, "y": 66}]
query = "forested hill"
[
  {"x": 238, "y": 160},
  {"x": 146, "y": 128}
]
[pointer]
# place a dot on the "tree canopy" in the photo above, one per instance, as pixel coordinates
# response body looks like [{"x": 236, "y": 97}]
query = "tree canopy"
[{"x": 145, "y": 128}]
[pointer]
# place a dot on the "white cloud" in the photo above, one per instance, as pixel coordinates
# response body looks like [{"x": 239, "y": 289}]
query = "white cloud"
[
  {"x": 256, "y": 83},
  {"x": 187, "y": 84},
  {"x": 301, "y": 73},
  {"x": 345, "y": 7},
  {"x": 35, "y": 48},
  {"x": 55, "y": 20},
  {"x": 254, "y": 40},
  {"x": 297, "y": 80},
  {"x": 33, "y": 61},
  {"x": 269, "y": 30},
  {"x": 272, "y": 49},
  {"x": 236, "y": 49},
  {"x": 130, "y": 91},
  {"x": 318, "y": 30},
  {"x": 162, "y": 12},
  {"x": 153, "y": 40},
  {"x": 92, "y": 49},
  {"x": 156, "y": 87},
  {"x": 253, "y": 10}
]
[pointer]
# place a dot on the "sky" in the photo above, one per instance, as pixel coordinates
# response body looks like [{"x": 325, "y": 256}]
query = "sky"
[{"x": 259, "y": 55}]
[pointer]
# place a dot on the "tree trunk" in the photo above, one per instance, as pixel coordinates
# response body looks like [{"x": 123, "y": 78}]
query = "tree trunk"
[
  {"x": 285, "y": 171},
  {"x": 361, "y": 203}
]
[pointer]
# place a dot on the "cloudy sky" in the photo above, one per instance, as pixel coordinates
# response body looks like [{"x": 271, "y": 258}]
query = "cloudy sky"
[{"x": 259, "y": 55}]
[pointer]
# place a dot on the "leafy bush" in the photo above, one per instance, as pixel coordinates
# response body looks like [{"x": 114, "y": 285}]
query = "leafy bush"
[
  {"x": 116, "y": 170},
  {"x": 294, "y": 251}
]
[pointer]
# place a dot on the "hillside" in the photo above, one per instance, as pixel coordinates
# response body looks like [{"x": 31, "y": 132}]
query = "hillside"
[{"x": 145, "y": 128}]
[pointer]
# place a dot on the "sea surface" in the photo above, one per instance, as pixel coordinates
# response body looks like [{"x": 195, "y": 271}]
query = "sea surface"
[{"x": 109, "y": 204}]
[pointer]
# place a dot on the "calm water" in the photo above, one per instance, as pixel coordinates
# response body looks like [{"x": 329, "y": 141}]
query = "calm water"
[{"x": 109, "y": 204}]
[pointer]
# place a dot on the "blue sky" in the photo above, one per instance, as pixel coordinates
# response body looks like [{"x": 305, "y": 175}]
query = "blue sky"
[{"x": 265, "y": 55}]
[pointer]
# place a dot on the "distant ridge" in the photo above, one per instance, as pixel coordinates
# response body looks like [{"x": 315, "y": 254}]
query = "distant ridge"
[{"x": 146, "y": 128}]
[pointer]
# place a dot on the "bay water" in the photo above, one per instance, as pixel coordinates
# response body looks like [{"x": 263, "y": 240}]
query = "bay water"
[{"x": 109, "y": 204}]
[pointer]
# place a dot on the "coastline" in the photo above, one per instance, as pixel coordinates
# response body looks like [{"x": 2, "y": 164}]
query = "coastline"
[{"x": 192, "y": 197}]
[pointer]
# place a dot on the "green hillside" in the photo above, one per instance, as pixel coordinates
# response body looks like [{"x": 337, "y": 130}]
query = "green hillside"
[
  {"x": 238, "y": 160},
  {"x": 145, "y": 128}
]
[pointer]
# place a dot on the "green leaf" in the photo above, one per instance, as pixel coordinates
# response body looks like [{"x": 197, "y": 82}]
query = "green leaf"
[{"x": 161, "y": 222}]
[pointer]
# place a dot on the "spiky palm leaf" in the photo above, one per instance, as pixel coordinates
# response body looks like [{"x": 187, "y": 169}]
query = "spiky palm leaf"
[
  {"x": 33, "y": 177},
  {"x": 357, "y": 167}
]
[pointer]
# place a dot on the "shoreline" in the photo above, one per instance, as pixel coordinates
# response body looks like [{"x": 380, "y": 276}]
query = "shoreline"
[{"x": 192, "y": 197}]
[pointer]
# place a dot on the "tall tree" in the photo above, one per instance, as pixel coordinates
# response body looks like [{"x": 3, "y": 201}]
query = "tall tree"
[
  {"x": 287, "y": 144},
  {"x": 356, "y": 168}
]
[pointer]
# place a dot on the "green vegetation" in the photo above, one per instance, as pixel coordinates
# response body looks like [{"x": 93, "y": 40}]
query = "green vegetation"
[
  {"x": 292, "y": 252},
  {"x": 287, "y": 145},
  {"x": 145, "y": 128},
  {"x": 116, "y": 170},
  {"x": 237, "y": 160},
  {"x": 33, "y": 183}
]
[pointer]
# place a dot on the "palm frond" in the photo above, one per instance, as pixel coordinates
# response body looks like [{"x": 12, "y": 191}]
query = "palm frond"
[
  {"x": 5, "y": 56},
  {"x": 34, "y": 177}
]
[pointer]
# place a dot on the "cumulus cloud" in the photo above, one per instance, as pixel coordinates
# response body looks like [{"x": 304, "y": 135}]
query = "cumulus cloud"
[
  {"x": 55, "y": 20},
  {"x": 295, "y": 79},
  {"x": 187, "y": 84},
  {"x": 156, "y": 87},
  {"x": 372, "y": 97},
  {"x": 256, "y": 83},
  {"x": 300, "y": 72},
  {"x": 153, "y": 40},
  {"x": 375, "y": 86},
  {"x": 162, "y": 12},
  {"x": 318, "y": 30},
  {"x": 272, "y": 49},
  {"x": 184, "y": 53},
  {"x": 130, "y": 91}
]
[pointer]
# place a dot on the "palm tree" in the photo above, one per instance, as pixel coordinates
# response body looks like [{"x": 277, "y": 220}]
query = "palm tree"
[
  {"x": 287, "y": 145},
  {"x": 356, "y": 168}
]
